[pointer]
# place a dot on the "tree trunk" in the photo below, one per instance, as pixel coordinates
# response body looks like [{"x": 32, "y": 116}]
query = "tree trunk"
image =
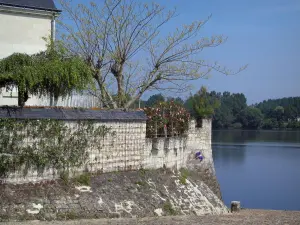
[
  {"x": 130, "y": 102},
  {"x": 51, "y": 100},
  {"x": 117, "y": 71},
  {"x": 55, "y": 100},
  {"x": 22, "y": 98},
  {"x": 105, "y": 97},
  {"x": 121, "y": 92}
]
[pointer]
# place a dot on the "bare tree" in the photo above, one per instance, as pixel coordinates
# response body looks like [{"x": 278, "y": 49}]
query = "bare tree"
[{"x": 123, "y": 43}]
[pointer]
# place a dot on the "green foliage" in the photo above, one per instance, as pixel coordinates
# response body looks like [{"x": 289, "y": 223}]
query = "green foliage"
[
  {"x": 49, "y": 73},
  {"x": 230, "y": 110},
  {"x": 182, "y": 180},
  {"x": 154, "y": 100},
  {"x": 177, "y": 100},
  {"x": 270, "y": 114},
  {"x": 184, "y": 173},
  {"x": 293, "y": 125},
  {"x": 142, "y": 172},
  {"x": 237, "y": 125},
  {"x": 42, "y": 144},
  {"x": 70, "y": 215},
  {"x": 202, "y": 104},
  {"x": 166, "y": 119},
  {"x": 84, "y": 179},
  {"x": 251, "y": 118},
  {"x": 64, "y": 176},
  {"x": 168, "y": 208}
]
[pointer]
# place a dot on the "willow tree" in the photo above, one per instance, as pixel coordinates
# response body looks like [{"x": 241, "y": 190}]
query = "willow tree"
[
  {"x": 48, "y": 73},
  {"x": 123, "y": 43},
  {"x": 16, "y": 71}
]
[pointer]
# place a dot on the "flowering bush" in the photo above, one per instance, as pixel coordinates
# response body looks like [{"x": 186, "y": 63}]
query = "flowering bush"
[{"x": 166, "y": 119}]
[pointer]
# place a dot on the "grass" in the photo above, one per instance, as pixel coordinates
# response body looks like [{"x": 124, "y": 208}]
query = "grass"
[
  {"x": 68, "y": 215},
  {"x": 182, "y": 180},
  {"x": 168, "y": 208},
  {"x": 64, "y": 176},
  {"x": 184, "y": 173},
  {"x": 142, "y": 172},
  {"x": 84, "y": 179}
]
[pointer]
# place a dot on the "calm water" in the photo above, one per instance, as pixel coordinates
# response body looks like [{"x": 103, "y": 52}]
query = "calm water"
[{"x": 259, "y": 168}]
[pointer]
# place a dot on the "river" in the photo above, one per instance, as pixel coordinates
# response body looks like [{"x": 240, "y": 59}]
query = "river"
[{"x": 259, "y": 168}]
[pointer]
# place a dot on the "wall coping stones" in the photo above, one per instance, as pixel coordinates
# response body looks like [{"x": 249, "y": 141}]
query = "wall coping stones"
[{"x": 71, "y": 114}]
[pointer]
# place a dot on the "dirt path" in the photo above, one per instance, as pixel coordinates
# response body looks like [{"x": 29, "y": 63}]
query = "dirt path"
[{"x": 245, "y": 217}]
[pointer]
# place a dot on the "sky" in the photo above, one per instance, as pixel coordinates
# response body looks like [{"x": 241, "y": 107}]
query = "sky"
[{"x": 263, "y": 34}]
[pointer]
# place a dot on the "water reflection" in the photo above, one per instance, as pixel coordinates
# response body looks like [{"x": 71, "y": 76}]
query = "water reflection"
[
  {"x": 243, "y": 136},
  {"x": 259, "y": 168},
  {"x": 229, "y": 154}
]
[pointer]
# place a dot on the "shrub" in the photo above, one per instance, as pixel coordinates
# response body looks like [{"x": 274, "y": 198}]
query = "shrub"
[
  {"x": 237, "y": 125},
  {"x": 84, "y": 179},
  {"x": 166, "y": 119},
  {"x": 168, "y": 208},
  {"x": 184, "y": 173}
]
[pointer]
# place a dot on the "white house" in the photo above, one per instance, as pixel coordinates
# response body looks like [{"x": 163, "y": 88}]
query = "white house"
[{"x": 23, "y": 25}]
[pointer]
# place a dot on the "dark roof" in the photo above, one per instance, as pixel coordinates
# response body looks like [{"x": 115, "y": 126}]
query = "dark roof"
[
  {"x": 47, "y": 5},
  {"x": 71, "y": 114}
]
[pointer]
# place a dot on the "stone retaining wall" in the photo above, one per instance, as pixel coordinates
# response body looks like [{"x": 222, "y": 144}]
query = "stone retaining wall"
[{"x": 128, "y": 148}]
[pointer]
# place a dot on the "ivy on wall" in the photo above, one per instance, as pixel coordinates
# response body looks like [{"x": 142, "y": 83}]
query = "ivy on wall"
[{"x": 43, "y": 144}]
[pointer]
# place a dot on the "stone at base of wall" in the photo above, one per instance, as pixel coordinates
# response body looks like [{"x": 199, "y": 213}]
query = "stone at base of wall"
[
  {"x": 124, "y": 194},
  {"x": 206, "y": 174}
]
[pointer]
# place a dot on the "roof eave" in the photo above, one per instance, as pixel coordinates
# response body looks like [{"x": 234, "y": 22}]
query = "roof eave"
[{"x": 57, "y": 11}]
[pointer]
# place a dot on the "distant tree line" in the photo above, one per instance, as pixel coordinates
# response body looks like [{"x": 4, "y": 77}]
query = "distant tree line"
[{"x": 230, "y": 110}]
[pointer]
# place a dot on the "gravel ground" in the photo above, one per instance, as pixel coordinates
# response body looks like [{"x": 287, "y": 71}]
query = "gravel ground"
[{"x": 245, "y": 217}]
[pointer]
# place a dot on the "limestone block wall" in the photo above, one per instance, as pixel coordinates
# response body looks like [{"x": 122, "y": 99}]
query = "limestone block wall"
[
  {"x": 199, "y": 139},
  {"x": 168, "y": 152},
  {"x": 177, "y": 152},
  {"x": 120, "y": 150},
  {"x": 127, "y": 148}
]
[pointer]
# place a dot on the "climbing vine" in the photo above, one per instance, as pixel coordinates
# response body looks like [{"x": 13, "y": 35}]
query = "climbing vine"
[{"x": 42, "y": 144}]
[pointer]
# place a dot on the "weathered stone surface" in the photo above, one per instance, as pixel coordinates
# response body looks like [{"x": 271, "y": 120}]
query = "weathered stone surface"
[
  {"x": 129, "y": 149},
  {"x": 113, "y": 195}
]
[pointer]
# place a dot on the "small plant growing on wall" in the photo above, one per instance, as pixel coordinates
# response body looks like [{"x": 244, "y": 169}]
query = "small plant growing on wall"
[
  {"x": 43, "y": 144},
  {"x": 166, "y": 119}
]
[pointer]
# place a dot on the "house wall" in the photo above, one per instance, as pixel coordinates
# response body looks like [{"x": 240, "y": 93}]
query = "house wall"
[
  {"x": 21, "y": 31},
  {"x": 76, "y": 100},
  {"x": 129, "y": 149}
]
